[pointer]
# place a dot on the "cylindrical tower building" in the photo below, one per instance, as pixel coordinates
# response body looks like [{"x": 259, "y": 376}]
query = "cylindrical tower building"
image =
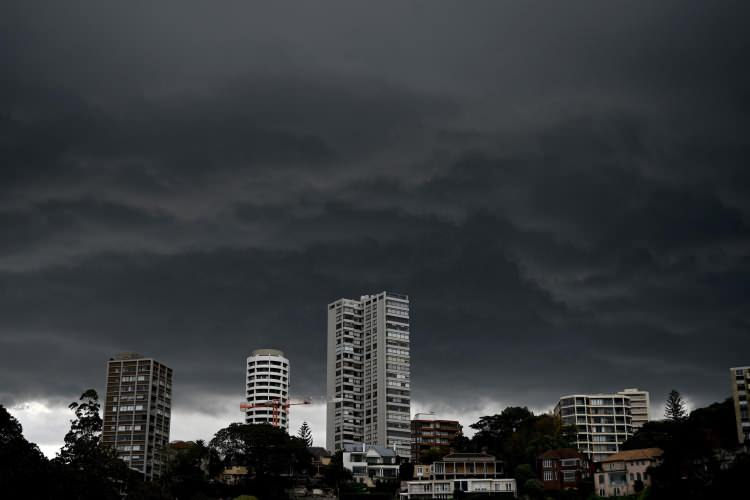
[{"x": 267, "y": 386}]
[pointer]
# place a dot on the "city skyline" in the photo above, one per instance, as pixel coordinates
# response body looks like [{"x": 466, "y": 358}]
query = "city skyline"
[{"x": 562, "y": 193}]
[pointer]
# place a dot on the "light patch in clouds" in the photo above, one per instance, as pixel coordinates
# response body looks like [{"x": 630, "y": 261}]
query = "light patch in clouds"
[{"x": 44, "y": 423}]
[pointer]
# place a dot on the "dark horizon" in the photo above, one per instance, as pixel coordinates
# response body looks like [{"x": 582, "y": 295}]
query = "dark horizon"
[{"x": 562, "y": 192}]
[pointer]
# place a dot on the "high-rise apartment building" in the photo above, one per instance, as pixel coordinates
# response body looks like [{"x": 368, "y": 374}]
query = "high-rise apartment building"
[
  {"x": 740, "y": 382},
  {"x": 368, "y": 366},
  {"x": 268, "y": 388},
  {"x": 639, "y": 406},
  {"x": 428, "y": 431},
  {"x": 602, "y": 421},
  {"x": 137, "y": 411}
]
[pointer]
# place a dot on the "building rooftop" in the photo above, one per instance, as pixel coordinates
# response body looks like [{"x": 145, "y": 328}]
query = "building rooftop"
[
  {"x": 469, "y": 457},
  {"x": 127, "y": 355},
  {"x": 318, "y": 451},
  {"x": 360, "y": 447},
  {"x": 562, "y": 453},
  {"x": 642, "y": 454},
  {"x": 268, "y": 352}
]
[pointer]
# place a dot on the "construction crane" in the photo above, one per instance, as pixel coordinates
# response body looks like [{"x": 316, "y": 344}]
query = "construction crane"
[{"x": 276, "y": 405}]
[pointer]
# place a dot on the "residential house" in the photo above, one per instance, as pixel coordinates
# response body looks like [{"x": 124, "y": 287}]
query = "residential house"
[
  {"x": 233, "y": 475},
  {"x": 461, "y": 472},
  {"x": 563, "y": 469},
  {"x": 618, "y": 474},
  {"x": 369, "y": 463},
  {"x": 320, "y": 458}
]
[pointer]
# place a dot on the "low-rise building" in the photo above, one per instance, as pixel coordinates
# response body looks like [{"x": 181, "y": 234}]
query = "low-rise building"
[
  {"x": 618, "y": 474},
  {"x": 462, "y": 472},
  {"x": 370, "y": 463},
  {"x": 233, "y": 475},
  {"x": 562, "y": 469},
  {"x": 428, "y": 432},
  {"x": 447, "y": 488},
  {"x": 422, "y": 471},
  {"x": 320, "y": 458}
]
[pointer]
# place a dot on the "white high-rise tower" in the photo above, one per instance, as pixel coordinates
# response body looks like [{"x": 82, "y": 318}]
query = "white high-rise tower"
[
  {"x": 267, "y": 382},
  {"x": 368, "y": 366}
]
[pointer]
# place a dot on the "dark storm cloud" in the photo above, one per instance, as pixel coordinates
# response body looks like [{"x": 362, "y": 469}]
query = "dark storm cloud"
[{"x": 563, "y": 195}]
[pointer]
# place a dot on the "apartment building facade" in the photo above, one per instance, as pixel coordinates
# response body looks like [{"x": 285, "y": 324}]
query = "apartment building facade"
[
  {"x": 429, "y": 432},
  {"x": 602, "y": 422},
  {"x": 639, "y": 406},
  {"x": 368, "y": 372},
  {"x": 740, "y": 379},
  {"x": 137, "y": 412},
  {"x": 267, "y": 385}
]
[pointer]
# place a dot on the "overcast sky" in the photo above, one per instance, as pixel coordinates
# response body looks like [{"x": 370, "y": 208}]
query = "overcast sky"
[{"x": 561, "y": 188}]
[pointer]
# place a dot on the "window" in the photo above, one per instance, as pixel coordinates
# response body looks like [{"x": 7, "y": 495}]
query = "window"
[
  {"x": 569, "y": 476},
  {"x": 549, "y": 475},
  {"x": 547, "y": 463}
]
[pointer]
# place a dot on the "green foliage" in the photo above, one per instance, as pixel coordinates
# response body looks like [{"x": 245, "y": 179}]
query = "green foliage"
[
  {"x": 674, "y": 408},
  {"x": 522, "y": 474},
  {"x": 86, "y": 468},
  {"x": 189, "y": 469},
  {"x": 305, "y": 434},
  {"x": 534, "y": 488},
  {"x": 517, "y": 436},
  {"x": 433, "y": 454},
  {"x": 335, "y": 475},
  {"x": 265, "y": 450},
  {"x": 268, "y": 452},
  {"x": 638, "y": 486},
  {"x": 406, "y": 471},
  {"x": 21, "y": 462},
  {"x": 690, "y": 469}
]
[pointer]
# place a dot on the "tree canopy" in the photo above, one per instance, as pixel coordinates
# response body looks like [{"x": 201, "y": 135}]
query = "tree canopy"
[
  {"x": 674, "y": 408},
  {"x": 305, "y": 434}
]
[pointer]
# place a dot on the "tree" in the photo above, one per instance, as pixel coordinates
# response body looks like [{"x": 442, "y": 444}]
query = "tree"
[
  {"x": 534, "y": 488},
  {"x": 85, "y": 467},
  {"x": 335, "y": 474},
  {"x": 406, "y": 471},
  {"x": 674, "y": 409},
  {"x": 433, "y": 454},
  {"x": 305, "y": 434},
  {"x": 522, "y": 474},
  {"x": 269, "y": 453},
  {"x": 189, "y": 467},
  {"x": 83, "y": 440},
  {"x": 517, "y": 436},
  {"x": 638, "y": 486},
  {"x": 21, "y": 463}
]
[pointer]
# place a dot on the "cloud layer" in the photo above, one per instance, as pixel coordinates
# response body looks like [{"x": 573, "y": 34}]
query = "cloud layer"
[{"x": 562, "y": 192}]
